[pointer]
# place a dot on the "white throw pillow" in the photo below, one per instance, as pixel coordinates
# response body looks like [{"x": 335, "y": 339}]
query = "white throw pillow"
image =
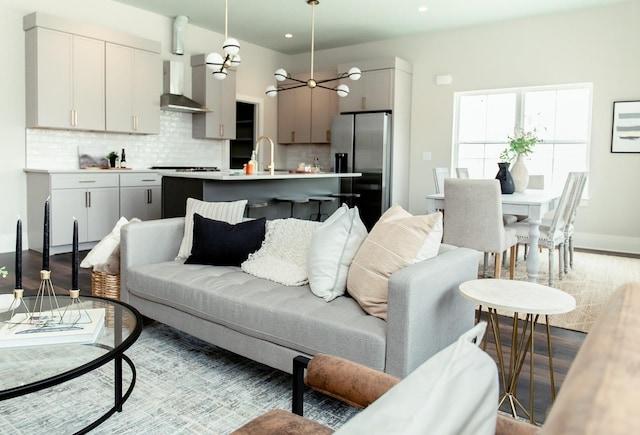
[
  {"x": 453, "y": 392},
  {"x": 283, "y": 255},
  {"x": 333, "y": 246},
  {"x": 231, "y": 212},
  {"x": 101, "y": 252}
]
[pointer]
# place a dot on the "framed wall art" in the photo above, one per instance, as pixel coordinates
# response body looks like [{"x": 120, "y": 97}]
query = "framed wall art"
[{"x": 625, "y": 135}]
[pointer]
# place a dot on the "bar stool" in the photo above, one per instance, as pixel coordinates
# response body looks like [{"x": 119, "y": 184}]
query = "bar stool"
[
  {"x": 255, "y": 203},
  {"x": 348, "y": 198},
  {"x": 293, "y": 200},
  {"x": 320, "y": 200}
]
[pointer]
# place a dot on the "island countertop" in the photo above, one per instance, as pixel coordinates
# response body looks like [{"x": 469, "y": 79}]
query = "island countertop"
[{"x": 239, "y": 176}]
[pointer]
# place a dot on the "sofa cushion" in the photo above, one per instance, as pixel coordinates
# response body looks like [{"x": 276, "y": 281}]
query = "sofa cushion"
[
  {"x": 230, "y": 212},
  {"x": 287, "y": 316},
  {"x": 397, "y": 240},
  {"x": 283, "y": 255},
  {"x": 223, "y": 244},
  {"x": 332, "y": 248}
]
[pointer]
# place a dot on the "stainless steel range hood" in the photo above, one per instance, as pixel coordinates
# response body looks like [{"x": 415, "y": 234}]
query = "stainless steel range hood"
[{"x": 172, "y": 98}]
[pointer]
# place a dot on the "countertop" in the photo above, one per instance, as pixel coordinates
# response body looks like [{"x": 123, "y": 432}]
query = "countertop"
[
  {"x": 239, "y": 176},
  {"x": 89, "y": 171}
]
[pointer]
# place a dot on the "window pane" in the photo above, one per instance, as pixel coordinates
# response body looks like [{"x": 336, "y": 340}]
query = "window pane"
[
  {"x": 472, "y": 118},
  {"x": 501, "y": 116},
  {"x": 573, "y": 114},
  {"x": 540, "y": 113}
]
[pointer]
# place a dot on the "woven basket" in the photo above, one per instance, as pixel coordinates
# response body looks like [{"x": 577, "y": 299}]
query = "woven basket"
[{"x": 106, "y": 286}]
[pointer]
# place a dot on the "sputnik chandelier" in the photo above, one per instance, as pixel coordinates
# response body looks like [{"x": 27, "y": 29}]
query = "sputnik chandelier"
[
  {"x": 231, "y": 47},
  {"x": 281, "y": 74}
]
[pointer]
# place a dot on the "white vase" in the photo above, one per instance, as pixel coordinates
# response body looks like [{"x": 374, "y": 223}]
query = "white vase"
[{"x": 520, "y": 174}]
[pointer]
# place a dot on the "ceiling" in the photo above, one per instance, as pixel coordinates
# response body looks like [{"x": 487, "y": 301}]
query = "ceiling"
[{"x": 341, "y": 23}]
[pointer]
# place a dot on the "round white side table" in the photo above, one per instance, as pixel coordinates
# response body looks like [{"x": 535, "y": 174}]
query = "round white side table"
[{"x": 519, "y": 297}]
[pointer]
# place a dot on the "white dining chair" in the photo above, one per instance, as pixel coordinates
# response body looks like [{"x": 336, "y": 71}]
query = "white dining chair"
[
  {"x": 568, "y": 229},
  {"x": 473, "y": 219},
  {"x": 552, "y": 236},
  {"x": 462, "y": 173},
  {"x": 439, "y": 175}
]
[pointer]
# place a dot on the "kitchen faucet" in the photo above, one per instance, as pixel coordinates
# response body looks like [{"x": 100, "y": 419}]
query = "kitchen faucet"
[{"x": 257, "y": 148}]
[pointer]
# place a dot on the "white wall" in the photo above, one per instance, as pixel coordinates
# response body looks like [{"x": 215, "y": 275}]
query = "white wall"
[
  {"x": 252, "y": 79},
  {"x": 598, "y": 45}
]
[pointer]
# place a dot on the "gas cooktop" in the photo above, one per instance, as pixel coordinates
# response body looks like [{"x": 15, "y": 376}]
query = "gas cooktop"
[{"x": 188, "y": 168}]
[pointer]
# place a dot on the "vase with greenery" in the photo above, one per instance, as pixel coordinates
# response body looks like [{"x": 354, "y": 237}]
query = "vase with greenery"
[
  {"x": 3, "y": 272},
  {"x": 520, "y": 145},
  {"x": 112, "y": 156}
]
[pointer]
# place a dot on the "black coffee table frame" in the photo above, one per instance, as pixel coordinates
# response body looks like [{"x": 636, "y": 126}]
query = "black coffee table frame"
[{"x": 115, "y": 354}]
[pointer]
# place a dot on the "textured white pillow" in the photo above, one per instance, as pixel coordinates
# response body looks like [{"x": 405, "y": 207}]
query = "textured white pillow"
[
  {"x": 333, "y": 246},
  {"x": 230, "y": 212},
  {"x": 453, "y": 392},
  {"x": 283, "y": 255}
]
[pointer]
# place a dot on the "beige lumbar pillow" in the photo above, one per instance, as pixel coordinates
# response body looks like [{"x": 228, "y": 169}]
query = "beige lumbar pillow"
[
  {"x": 230, "y": 212},
  {"x": 396, "y": 241}
]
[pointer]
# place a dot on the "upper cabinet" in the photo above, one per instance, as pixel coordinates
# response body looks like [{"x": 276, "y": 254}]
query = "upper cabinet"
[
  {"x": 219, "y": 96},
  {"x": 65, "y": 80},
  {"x": 304, "y": 115},
  {"x": 381, "y": 87},
  {"x": 132, "y": 86},
  {"x": 373, "y": 92},
  {"x": 84, "y": 77}
]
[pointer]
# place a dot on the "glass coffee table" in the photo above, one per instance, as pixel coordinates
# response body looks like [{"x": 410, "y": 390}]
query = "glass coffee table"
[{"x": 38, "y": 366}]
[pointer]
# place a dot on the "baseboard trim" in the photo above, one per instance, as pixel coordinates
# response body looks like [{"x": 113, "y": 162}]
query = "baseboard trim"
[{"x": 604, "y": 242}]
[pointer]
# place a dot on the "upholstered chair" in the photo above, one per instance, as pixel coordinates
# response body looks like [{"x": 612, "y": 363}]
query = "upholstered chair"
[{"x": 474, "y": 219}]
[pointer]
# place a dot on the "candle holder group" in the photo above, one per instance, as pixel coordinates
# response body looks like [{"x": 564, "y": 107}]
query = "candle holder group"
[{"x": 46, "y": 311}]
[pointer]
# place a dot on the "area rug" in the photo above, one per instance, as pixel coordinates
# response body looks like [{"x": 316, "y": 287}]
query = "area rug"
[
  {"x": 592, "y": 280},
  {"x": 184, "y": 386}
]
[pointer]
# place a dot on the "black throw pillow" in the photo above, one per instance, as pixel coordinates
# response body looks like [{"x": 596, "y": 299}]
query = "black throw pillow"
[{"x": 220, "y": 243}]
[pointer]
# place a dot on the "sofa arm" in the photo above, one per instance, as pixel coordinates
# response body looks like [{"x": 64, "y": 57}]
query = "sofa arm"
[
  {"x": 148, "y": 242},
  {"x": 426, "y": 312}
]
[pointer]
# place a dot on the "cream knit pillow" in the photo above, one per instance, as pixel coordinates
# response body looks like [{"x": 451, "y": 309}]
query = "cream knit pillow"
[
  {"x": 230, "y": 212},
  {"x": 397, "y": 240}
]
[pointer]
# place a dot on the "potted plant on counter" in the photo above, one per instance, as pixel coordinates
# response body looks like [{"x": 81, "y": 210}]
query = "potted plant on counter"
[
  {"x": 112, "y": 156},
  {"x": 520, "y": 145}
]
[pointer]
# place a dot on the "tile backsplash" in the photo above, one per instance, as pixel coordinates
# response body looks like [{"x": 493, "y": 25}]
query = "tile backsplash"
[{"x": 173, "y": 146}]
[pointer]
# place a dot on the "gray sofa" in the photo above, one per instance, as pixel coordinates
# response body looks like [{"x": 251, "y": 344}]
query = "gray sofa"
[{"x": 271, "y": 323}]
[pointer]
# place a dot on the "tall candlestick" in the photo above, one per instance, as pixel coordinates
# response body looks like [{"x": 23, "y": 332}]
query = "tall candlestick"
[
  {"x": 19, "y": 254},
  {"x": 45, "y": 241},
  {"x": 75, "y": 257}
]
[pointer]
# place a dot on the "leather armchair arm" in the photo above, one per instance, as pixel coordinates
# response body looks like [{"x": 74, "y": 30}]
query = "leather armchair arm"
[{"x": 345, "y": 380}]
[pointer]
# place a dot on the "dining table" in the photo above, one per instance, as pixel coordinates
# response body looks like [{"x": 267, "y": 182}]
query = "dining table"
[{"x": 531, "y": 204}]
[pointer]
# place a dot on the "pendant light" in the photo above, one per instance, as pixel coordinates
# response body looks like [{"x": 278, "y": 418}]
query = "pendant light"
[
  {"x": 231, "y": 47},
  {"x": 281, "y": 74}
]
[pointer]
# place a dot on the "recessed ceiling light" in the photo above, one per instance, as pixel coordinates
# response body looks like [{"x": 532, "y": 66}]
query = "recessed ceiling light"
[
  {"x": 288, "y": 35},
  {"x": 423, "y": 9}
]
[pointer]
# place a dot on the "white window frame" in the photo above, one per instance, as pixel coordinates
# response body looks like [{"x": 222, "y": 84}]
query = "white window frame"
[{"x": 519, "y": 121}]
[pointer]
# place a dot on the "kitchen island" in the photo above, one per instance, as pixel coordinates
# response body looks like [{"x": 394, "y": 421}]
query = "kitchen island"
[{"x": 262, "y": 187}]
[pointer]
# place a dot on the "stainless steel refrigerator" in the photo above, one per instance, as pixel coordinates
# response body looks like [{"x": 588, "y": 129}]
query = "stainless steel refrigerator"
[{"x": 365, "y": 138}]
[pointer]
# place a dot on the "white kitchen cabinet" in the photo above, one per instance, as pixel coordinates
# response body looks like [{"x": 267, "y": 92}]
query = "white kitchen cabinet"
[
  {"x": 64, "y": 80},
  {"x": 133, "y": 87},
  {"x": 91, "y": 197},
  {"x": 304, "y": 115},
  {"x": 373, "y": 92},
  {"x": 140, "y": 196},
  {"x": 219, "y": 96}
]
